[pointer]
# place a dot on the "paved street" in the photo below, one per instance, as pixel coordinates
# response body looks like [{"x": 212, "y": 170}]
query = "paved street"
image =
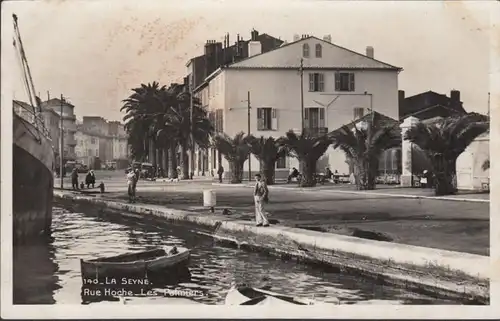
[{"x": 450, "y": 225}]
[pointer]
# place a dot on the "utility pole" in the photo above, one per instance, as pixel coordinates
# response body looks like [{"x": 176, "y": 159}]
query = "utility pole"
[
  {"x": 248, "y": 124},
  {"x": 191, "y": 129},
  {"x": 301, "y": 71},
  {"x": 61, "y": 147},
  {"x": 488, "y": 104}
]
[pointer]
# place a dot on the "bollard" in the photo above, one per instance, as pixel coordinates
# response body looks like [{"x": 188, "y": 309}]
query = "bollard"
[
  {"x": 209, "y": 199},
  {"x": 101, "y": 187}
]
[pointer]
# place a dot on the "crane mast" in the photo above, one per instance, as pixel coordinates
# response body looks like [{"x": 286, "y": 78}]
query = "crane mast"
[{"x": 30, "y": 87}]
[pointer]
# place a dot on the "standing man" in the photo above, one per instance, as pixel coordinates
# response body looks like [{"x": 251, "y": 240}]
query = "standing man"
[
  {"x": 131, "y": 181},
  {"x": 261, "y": 196},
  {"x": 220, "y": 171},
  {"x": 74, "y": 179}
]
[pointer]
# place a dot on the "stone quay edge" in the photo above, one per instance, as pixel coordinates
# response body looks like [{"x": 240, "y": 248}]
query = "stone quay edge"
[{"x": 447, "y": 274}]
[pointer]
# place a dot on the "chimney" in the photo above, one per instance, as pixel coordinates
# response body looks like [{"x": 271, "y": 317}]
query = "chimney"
[
  {"x": 369, "y": 51},
  {"x": 254, "y": 34},
  {"x": 328, "y": 38},
  {"x": 254, "y": 48},
  {"x": 454, "y": 96},
  {"x": 401, "y": 97},
  {"x": 296, "y": 37}
]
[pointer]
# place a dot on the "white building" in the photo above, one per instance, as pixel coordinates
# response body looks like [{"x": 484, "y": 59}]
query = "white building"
[
  {"x": 87, "y": 147},
  {"x": 339, "y": 85}
]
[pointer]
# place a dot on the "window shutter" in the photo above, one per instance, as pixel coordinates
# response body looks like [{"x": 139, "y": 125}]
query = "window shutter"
[
  {"x": 306, "y": 117},
  {"x": 274, "y": 121},
  {"x": 351, "y": 82},
  {"x": 321, "y": 117},
  {"x": 337, "y": 81},
  {"x": 311, "y": 82},
  {"x": 260, "y": 119},
  {"x": 321, "y": 82}
]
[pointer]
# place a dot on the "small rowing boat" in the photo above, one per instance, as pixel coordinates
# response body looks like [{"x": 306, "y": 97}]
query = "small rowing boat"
[
  {"x": 138, "y": 263},
  {"x": 245, "y": 295}
]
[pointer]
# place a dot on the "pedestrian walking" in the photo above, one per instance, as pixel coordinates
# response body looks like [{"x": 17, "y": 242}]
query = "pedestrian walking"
[
  {"x": 74, "y": 179},
  {"x": 220, "y": 171},
  {"x": 131, "y": 181},
  {"x": 261, "y": 197}
]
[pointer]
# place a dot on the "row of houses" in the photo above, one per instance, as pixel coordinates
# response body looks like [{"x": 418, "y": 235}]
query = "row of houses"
[
  {"x": 94, "y": 141},
  {"x": 264, "y": 85}
]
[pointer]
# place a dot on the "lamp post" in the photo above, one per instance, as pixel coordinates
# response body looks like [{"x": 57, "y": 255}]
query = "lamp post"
[
  {"x": 301, "y": 72},
  {"x": 248, "y": 108},
  {"x": 61, "y": 147}
]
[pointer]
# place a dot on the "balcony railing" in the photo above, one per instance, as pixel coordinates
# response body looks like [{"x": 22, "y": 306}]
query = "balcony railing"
[{"x": 316, "y": 131}]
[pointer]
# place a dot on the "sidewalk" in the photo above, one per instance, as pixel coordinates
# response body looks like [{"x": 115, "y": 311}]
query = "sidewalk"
[
  {"x": 444, "y": 273},
  {"x": 381, "y": 190},
  {"x": 435, "y": 223}
]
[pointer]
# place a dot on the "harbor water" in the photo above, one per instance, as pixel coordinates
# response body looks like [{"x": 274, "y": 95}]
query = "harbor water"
[{"x": 50, "y": 273}]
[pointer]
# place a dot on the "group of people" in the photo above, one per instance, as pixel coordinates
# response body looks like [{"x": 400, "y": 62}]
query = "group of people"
[
  {"x": 89, "y": 179},
  {"x": 295, "y": 174}
]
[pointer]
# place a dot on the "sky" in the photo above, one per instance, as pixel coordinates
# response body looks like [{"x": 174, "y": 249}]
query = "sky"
[{"x": 95, "y": 51}]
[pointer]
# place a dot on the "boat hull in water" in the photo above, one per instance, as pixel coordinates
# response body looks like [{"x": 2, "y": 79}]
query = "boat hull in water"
[{"x": 32, "y": 182}]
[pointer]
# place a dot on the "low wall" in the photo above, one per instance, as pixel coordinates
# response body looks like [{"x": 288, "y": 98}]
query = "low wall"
[{"x": 460, "y": 276}]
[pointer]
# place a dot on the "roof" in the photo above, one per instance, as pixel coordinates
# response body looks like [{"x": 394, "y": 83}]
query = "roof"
[
  {"x": 56, "y": 102},
  {"x": 426, "y": 102},
  {"x": 376, "y": 64},
  {"x": 245, "y": 63}
]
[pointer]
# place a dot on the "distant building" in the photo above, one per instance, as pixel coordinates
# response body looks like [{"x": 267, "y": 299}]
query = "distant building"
[
  {"x": 69, "y": 124},
  {"x": 101, "y": 143},
  {"x": 429, "y": 105},
  {"x": 218, "y": 54}
]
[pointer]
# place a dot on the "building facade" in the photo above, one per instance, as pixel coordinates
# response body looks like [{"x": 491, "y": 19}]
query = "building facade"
[
  {"x": 69, "y": 124},
  {"x": 101, "y": 143},
  {"x": 338, "y": 86}
]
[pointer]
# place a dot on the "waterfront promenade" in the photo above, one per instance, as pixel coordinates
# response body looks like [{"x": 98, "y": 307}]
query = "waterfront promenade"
[{"x": 388, "y": 214}]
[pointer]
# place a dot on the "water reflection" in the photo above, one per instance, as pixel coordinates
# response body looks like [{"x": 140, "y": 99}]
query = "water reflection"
[
  {"x": 35, "y": 274},
  {"x": 212, "y": 268}
]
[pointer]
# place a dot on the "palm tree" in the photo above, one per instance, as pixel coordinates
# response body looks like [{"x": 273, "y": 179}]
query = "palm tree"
[
  {"x": 236, "y": 151},
  {"x": 267, "y": 151},
  {"x": 363, "y": 147},
  {"x": 307, "y": 149},
  {"x": 178, "y": 122},
  {"x": 140, "y": 108},
  {"x": 443, "y": 141}
]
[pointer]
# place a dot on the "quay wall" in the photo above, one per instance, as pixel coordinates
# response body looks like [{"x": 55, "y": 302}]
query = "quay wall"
[{"x": 445, "y": 274}]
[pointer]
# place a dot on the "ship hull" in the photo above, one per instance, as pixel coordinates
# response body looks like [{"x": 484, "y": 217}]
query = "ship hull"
[{"x": 32, "y": 182}]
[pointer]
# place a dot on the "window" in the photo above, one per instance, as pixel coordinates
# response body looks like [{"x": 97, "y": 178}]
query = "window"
[
  {"x": 314, "y": 117},
  {"x": 281, "y": 162},
  {"x": 316, "y": 82},
  {"x": 318, "y": 50},
  {"x": 92, "y": 140},
  {"x": 305, "y": 50},
  {"x": 344, "y": 81},
  {"x": 267, "y": 119},
  {"x": 219, "y": 120},
  {"x": 97, "y": 153},
  {"x": 358, "y": 112}
]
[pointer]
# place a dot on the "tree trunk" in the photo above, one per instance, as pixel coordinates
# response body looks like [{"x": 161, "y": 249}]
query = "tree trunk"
[
  {"x": 268, "y": 172},
  {"x": 308, "y": 173},
  {"x": 366, "y": 174},
  {"x": 158, "y": 159},
  {"x": 184, "y": 161},
  {"x": 444, "y": 176},
  {"x": 236, "y": 172},
  {"x": 164, "y": 164},
  {"x": 172, "y": 161}
]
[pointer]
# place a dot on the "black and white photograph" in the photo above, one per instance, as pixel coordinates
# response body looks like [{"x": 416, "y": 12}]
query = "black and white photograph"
[{"x": 306, "y": 158}]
